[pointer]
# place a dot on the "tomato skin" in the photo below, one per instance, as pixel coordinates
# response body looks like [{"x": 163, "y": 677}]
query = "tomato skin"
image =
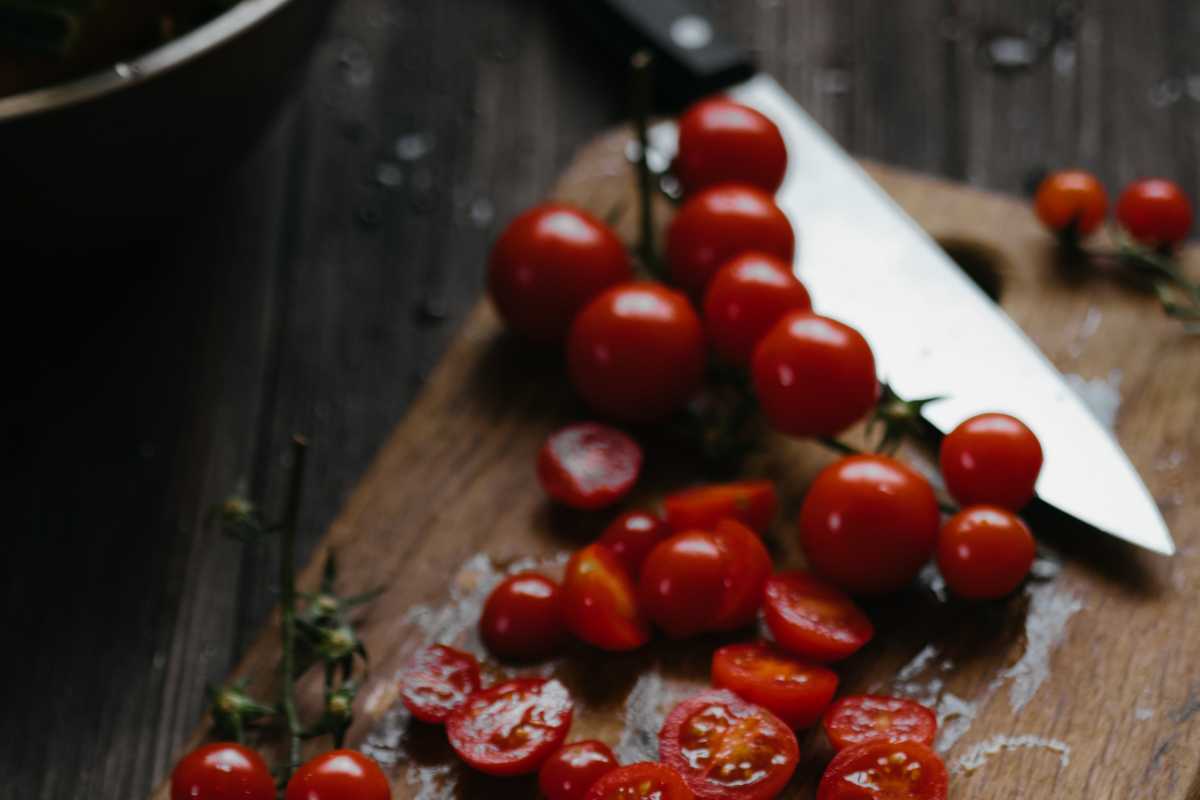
[
  {"x": 547, "y": 264},
  {"x": 745, "y": 298},
  {"x": 438, "y": 680},
  {"x": 339, "y": 775},
  {"x": 643, "y": 781},
  {"x": 814, "y": 376},
  {"x": 1155, "y": 211},
  {"x": 600, "y": 601},
  {"x": 682, "y": 586},
  {"x": 523, "y": 618},
  {"x": 719, "y": 223},
  {"x": 747, "y": 568},
  {"x": 991, "y": 459},
  {"x": 1071, "y": 197},
  {"x": 812, "y": 619},
  {"x": 882, "y": 770},
  {"x": 869, "y": 523},
  {"x": 222, "y": 771},
  {"x": 793, "y": 690},
  {"x": 632, "y": 536},
  {"x": 721, "y": 141},
  {"x": 571, "y": 771},
  {"x": 513, "y": 727},
  {"x": 752, "y": 503},
  {"x": 984, "y": 552},
  {"x": 588, "y": 465},
  {"x": 858, "y": 719},
  {"x": 636, "y": 353}
]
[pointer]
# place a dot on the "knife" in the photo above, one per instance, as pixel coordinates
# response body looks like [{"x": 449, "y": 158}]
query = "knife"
[{"x": 933, "y": 331}]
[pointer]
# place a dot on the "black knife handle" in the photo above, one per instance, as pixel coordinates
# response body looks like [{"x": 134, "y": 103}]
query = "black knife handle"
[{"x": 690, "y": 58}]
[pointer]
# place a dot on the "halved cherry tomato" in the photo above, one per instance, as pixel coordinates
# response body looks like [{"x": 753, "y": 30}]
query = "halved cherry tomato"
[
  {"x": 588, "y": 465},
  {"x": 523, "y": 618},
  {"x": 751, "y": 502},
  {"x": 632, "y": 536},
  {"x": 869, "y": 523},
  {"x": 862, "y": 718},
  {"x": 883, "y": 770},
  {"x": 993, "y": 459},
  {"x": 682, "y": 586},
  {"x": 571, "y": 771},
  {"x": 438, "y": 680},
  {"x": 511, "y": 728},
  {"x": 600, "y": 601},
  {"x": 1155, "y": 211},
  {"x": 222, "y": 771},
  {"x": 747, "y": 568},
  {"x": 728, "y": 749},
  {"x": 721, "y": 141},
  {"x": 813, "y": 619},
  {"x": 339, "y": 775},
  {"x": 984, "y": 552},
  {"x": 1071, "y": 197},
  {"x": 644, "y": 781},
  {"x": 793, "y": 690},
  {"x": 745, "y": 298}
]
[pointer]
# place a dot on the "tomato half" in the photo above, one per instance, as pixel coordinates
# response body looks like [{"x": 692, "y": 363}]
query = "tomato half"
[
  {"x": 632, "y": 536},
  {"x": 523, "y": 618},
  {"x": 728, "y": 749},
  {"x": 984, "y": 552},
  {"x": 339, "y": 775},
  {"x": 1071, "y": 197},
  {"x": 747, "y": 568},
  {"x": 884, "y": 770},
  {"x": 793, "y": 690},
  {"x": 721, "y": 141},
  {"x": 993, "y": 459},
  {"x": 813, "y": 619},
  {"x": 600, "y": 601},
  {"x": 682, "y": 586},
  {"x": 862, "y": 718},
  {"x": 753, "y": 503},
  {"x": 438, "y": 680},
  {"x": 644, "y": 781},
  {"x": 511, "y": 728},
  {"x": 571, "y": 771},
  {"x": 588, "y": 465},
  {"x": 222, "y": 771},
  {"x": 1155, "y": 211},
  {"x": 745, "y": 298}
]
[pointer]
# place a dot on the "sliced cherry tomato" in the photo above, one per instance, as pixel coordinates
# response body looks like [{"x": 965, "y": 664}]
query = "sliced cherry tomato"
[
  {"x": 869, "y": 523},
  {"x": 862, "y": 718},
  {"x": 814, "y": 376},
  {"x": 985, "y": 552},
  {"x": 1155, "y": 211},
  {"x": 636, "y": 353},
  {"x": 438, "y": 680},
  {"x": 745, "y": 298},
  {"x": 571, "y": 771},
  {"x": 600, "y": 601},
  {"x": 588, "y": 465},
  {"x": 546, "y": 266},
  {"x": 644, "y": 781},
  {"x": 751, "y": 502},
  {"x": 222, "y": 771},
  {"x": 523, "y": 618},
  {"x": 721, "y": 141},
  {"x": 719, "y": 223},
  {"x": 632, "y": 536},
  {"x": 813, "y": 619},
  {"x": 511, "y": 728},
  {"x": 747, "y": 567},
  {"x": 1071, "y": 197},
  {"x": 728, "y": 749},
  {"x": 993, "y": 459},
  {"x": 339, "y": 775},
  {"x": 682, "y": 586},
  {"x": 882, "y": 770},
  {"x": 793, "y": 690}
]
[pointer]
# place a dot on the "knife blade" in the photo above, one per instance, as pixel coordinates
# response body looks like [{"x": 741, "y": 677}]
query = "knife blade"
[{"x": 933, "y": 331}]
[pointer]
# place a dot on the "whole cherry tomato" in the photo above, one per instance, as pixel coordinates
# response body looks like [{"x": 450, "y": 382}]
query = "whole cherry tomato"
[
  {"x": 985, "y": 552},
  {"x": 644, "y": 781},
  {"x": 883, "y": 770},
  {"x": 512, "y": 727},
  {"x": 753, "y": 503},
  {"x": 1155, "y": 211},
  {"x": 745, "y": 298},
  {"x": 991, "y": 458},
  {"x": 571, "y": 771},
  {"x": 813, "y": 619},
  {"x": 813, "y": 375},
  {"x": 339, "y": 775},
  {"x": 636, "y": 352},
  {"x": 438, "y": 680},
  {"x": 747, "y": 568},
  {"x": 683, "y": 583},
  {"x": 600, "y": 601},
  {"x": 793, "y": 690},
  {"x": 869, "y": 523},
  {"x": 549, "y": 262},
  {"x": 862, "y": 718},
  {"x": 523, "y": 618},
  {"x": 588, "y": 465},
  {"x": 721, "y": 222},
  {"x": 1071, "y": 197},
  {"x": 632, "y": 536},
  {"x": 222, "y": 771},
  {"x": 721, "y": 141}
]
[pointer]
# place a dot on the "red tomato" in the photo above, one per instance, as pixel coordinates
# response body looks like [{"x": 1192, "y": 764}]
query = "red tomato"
[
  {"x": 985, "y": 552},
  {"x": 751, "y": 502},
  {"x": 869, "y": 523},
  {"x": 645, "y": 781},
  {"x": 747, "y": 567},
  {"x": 791, "y": 689},
  {"x": 632, "y": 536},
  {"x": 1155, "y": 211},
  {"x": 339, "y": 775},
  {"x": 222, "y": 771},
  {"x": 813, "y": 375},
  {"x": 745, "y": 298},
  {"x": 570, "y": 772},
  {"x": 991, "y": 458},
  {"x": 523, "y": 618},
  {"x": 588, "y": 465},
  {"x": 636, "y": 353},
  {"x": 600, "y": 601},
  {"x": 719, "y": 223},
  {"x": 862, "y": 718},
  {"x": 1071, "y": 197},
  {"x": 511, "y": 728},
  {"x": 812, "y": 619},
  {"x": 884, "y": 770},
  {"x": 721, "y": 141},
  {"x": 728, "y": 749},
  {"x": 546, "y": 266},
  {"x": 682, "y": 585},
  {"x": 438, "y": 680}
]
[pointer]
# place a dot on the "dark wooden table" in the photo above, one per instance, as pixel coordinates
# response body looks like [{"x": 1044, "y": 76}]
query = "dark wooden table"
[{"x": 317, "y": 287}]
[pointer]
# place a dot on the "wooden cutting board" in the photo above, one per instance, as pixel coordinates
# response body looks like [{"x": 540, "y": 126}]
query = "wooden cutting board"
[{"x": 1086, "y": 684}]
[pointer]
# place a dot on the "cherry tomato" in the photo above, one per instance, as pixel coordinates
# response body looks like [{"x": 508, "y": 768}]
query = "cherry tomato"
[
  {"x": 869, "y": 523},
  {"x": 728, "y": 749},
  {"x": 682, "y": 585},
  {"x": 523, "y": 618},
  {"x": 600, "y": 601},
  {"x": 747, "y": 567},
  {"x": 793, "y": 690},
  {"x": 339, "y": 775},
  {"x": 862, "y": 718},
  {"x": 991, "y": 458},
  {"x": 721, "y": 222},
  {"x": 632, "y": 536},
  {"x": 1071, "y": 197},
  {"x": 883, "y": 770},
  {"x": 438, "y": 680},
  {"x": 636, "y": 352},
  {"x": 570, "y": 772},
  {"x": 644, "y": 781},
  {"x": 813, "y": 619},
  {"x": 721, "y": 141},
  {"x": 589, "y": 465},
  {"x": 513, "y": 727},
  {"x": 546, "y": 266},
  {"x": 985, "y": 552},
  {"x": 813, "y": 375},
  {"x": 745, "y": 298},
  {"x": 222, "y": 771},
  {"x": 1155, "y": 211},
  {"x": 751, "y": 502}
]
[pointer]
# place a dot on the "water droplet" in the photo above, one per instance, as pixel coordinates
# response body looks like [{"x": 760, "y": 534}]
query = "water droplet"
[
  {"x": 126, "y": 71},
  {"x": 1063, "y": 57},
  {"x": 1166, "y": 93},
  {"x": 671, "y": 186},
  {"x": 481, "y": 212},
  {"x": 1007, "y": 52},
  {"x": 414, "y": 146},
  {"x": 432, "y": 310},
  {"x": 833, "y": 81},
  {"x": 355, "y": 65},
  {"x": 389, "y": 175},
  {"x": 655, "y": 159}
]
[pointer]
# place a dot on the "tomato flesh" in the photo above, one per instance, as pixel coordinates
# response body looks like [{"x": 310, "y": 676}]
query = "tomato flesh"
[
  {"x": 1071, "y": 197},
  {"x": 339, "y": 775},
  {"x": 682, "y": 584},
  {"x": 222, "y": 771},
  {"x": 795, "y": 691},
  {"x": 747, "y": 568},
  {"x": 643, "y": 781},
  {"x": 523, "y": 618},
  {"x": 721, "y": 141},
  {"x": 813, "y": 619},
  {"x": 984, "y": 552},
  {"x": 588, "y": 465},
  {"x": 991, "y": 458},
  {"x": 511, "y": 728},
  {"x": 882, "y": 770},
  {"x": 571, "y": 771},
  {"x": 600, "y": 601},
  {"x": 858, "y": 719},
  {"x": 437, "y": 681},
  {"x": 632, "y": 536},
  {"x": 752, "y": 503}
]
